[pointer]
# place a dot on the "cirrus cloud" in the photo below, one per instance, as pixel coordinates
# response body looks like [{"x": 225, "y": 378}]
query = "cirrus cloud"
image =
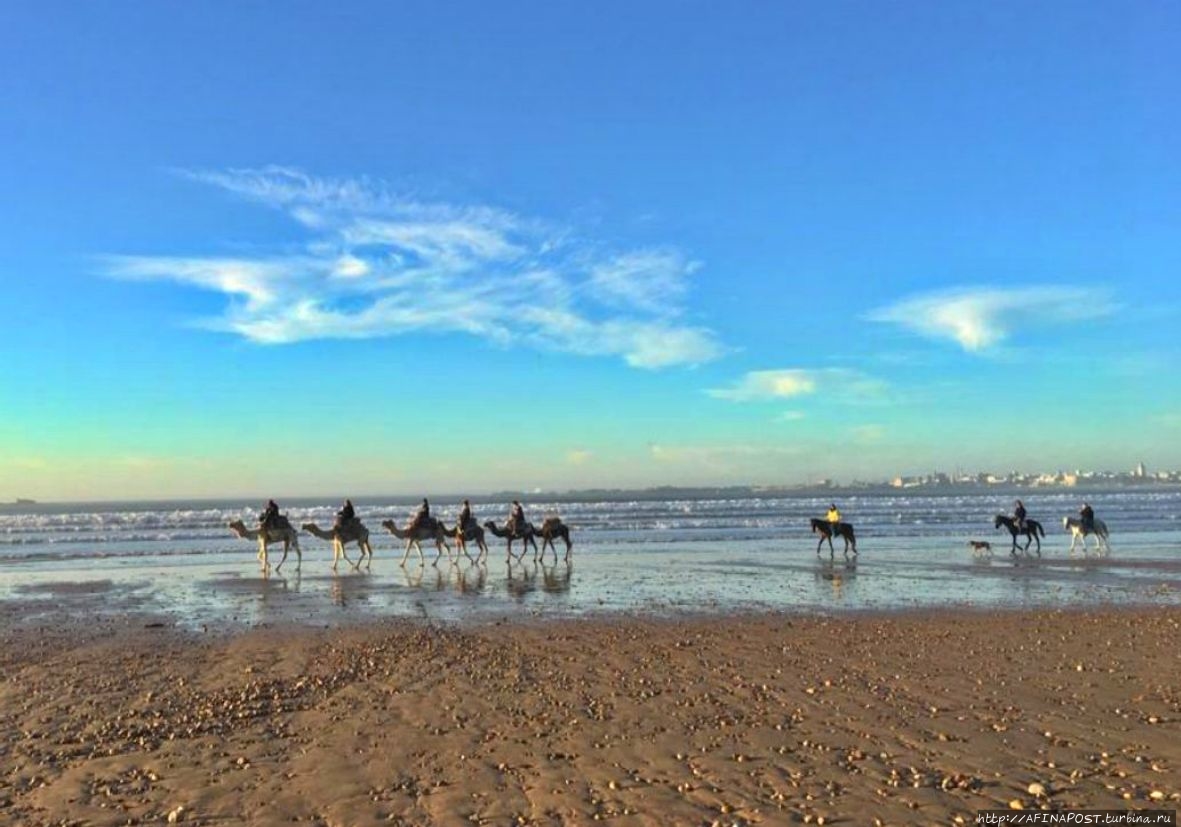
[
  {"x": 787, "y": 383},
  {"x": 377, "y": 263},
  {"x": 978, "y": 318}
]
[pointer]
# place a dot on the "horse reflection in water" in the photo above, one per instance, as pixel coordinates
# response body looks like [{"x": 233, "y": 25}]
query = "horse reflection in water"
[{"x": 836, "y": 576}]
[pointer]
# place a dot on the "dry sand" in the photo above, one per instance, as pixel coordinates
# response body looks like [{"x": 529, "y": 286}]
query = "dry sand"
[{"x": 900, "y": 719}]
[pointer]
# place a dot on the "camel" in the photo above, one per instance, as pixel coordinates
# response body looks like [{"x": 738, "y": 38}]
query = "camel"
[
  {"x": 474, "y": 532},
  {"x": 280, "y": 533},
  {"x": 551, "y": 528},
  {"x": 431, "y": 529},
  {"x": 1099, "y": 528},
  {"x": 353, "y": 531},
  {"x": 525, "y": 536}
]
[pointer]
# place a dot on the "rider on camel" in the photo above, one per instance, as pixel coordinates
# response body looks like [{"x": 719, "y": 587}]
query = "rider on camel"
[
  {"x": 516, "y": 518},
  {"x": 465, "y": 517},
  {"x": 270, "y": 515},
  {"x": 345, "y": 515},
  {"x": 421, "y": 516}
]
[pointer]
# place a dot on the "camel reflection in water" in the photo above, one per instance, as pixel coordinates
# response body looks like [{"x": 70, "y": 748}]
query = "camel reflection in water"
[
  {"x": 470, "y": 579},
  {"x": 551, "y": 578}
]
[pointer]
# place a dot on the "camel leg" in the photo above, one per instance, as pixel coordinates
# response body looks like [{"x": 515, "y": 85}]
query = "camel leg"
[
  {"x": 345, "y": 555},
  {"x": 284, "y": 560}
]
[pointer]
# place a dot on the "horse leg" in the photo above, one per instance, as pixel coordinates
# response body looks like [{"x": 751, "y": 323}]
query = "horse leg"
[{"x": 819, "y": 543}]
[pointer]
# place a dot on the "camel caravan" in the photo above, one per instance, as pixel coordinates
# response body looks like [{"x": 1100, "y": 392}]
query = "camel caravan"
[{"x": 275, "y": 528}]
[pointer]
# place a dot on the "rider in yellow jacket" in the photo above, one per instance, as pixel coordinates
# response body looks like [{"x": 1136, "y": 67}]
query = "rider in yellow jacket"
[{"x": 834, "y": 515}]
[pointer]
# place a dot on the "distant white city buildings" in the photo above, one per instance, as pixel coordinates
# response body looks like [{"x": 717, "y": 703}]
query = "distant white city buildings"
[{"x": 1064, "y": 479}]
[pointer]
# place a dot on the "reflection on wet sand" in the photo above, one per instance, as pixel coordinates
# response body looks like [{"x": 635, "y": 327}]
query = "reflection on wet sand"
[
  {"x": 466, "y": 579},
  {"x": 836, "y": 576},
  {"x": 556, "y": 577},
  {"x": 521, "y": 578}
]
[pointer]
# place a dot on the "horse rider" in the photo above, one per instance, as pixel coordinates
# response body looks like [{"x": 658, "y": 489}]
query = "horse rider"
[
  {"x": 1087, "y": 515},
  {"x": 833, "y": 516},
  {"x": 516, "y": 518},
  {"x": 421, "y": 516},
  {"x": 465, "y": 517},
  {"x": 1019, "y": 515},
  {"x": 270, "y": 515},
  {"x": 346, "y": 515}
]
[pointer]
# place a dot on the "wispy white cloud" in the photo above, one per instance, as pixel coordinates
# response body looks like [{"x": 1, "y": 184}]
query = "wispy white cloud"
[
  {"x": 579, "y": 456},
  {"x": 377, "y": 263},
  {"x": 718, "y": 455},
  {"x": 978, "y": 318},
  {"x": 868, "y": 434},
  {"x": 791, "y": 416},
  {"x": 787, "y": 383}
]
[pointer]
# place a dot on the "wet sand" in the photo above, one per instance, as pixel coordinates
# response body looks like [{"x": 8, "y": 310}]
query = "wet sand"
[{"x": 762, "y": 719}]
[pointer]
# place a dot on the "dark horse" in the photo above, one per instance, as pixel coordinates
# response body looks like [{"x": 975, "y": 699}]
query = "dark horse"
[
  {"x": 826, "y": 529},
  {"x": 1032, "y": 530}
]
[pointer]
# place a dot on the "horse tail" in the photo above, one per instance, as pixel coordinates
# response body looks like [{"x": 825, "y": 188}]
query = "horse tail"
[{"x": 1041, "y": 531}]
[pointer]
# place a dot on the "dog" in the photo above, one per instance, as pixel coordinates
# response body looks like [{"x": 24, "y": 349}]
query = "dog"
[{"x": 980, "y": 546}]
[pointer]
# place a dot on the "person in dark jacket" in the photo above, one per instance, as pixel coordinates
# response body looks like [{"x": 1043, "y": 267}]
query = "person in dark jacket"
[
  {"x": 421, "y": 516},
  {"x": 1087, "y": 514},
  {"x": 465, "y": 517},
  {"x": 1019, "y": 514},
  {"x": 346, "y": 514},
  {"x": 269, "y": 518}
]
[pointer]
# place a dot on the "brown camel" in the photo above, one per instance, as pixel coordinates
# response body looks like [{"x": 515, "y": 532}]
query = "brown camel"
[
  {"x": 525, "y": 535},
  {"x": 353, "y": 531},
  {"x": 282, "y": 532},
  {"x": 431, "y": 529},
  {"x": 474, "y": 533},
  {"x": 551, "y": 528}
]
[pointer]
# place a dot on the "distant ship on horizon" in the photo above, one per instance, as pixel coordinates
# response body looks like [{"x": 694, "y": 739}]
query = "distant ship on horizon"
[{"x": 22, "y": 501}]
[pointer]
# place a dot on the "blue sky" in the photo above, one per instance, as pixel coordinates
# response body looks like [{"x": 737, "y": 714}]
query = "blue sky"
[{"x": 391, "y": 248}]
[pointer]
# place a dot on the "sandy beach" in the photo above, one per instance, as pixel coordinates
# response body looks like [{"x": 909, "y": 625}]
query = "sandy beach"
[{"x": 918, "y": 718}]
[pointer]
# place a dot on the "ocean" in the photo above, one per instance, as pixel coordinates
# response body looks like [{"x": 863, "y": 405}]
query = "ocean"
[{"x": 179, "y": 560}]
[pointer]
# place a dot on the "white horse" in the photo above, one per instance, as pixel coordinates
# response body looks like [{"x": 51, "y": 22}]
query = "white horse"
[{"x": 1075, "y": 526}]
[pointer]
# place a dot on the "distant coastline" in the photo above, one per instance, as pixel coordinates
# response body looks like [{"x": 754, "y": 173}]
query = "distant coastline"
[{"x": 1091, "y": 486}]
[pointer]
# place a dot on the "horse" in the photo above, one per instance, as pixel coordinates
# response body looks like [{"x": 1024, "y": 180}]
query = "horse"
[
  {"x": 1099, "y": 528},
  {"x": 1032, "y": 530},
  {"x": 826, "y": 529}
]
